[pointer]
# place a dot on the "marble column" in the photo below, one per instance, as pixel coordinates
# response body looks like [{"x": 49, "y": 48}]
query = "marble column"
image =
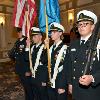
[{"x": 2, "y": 36}]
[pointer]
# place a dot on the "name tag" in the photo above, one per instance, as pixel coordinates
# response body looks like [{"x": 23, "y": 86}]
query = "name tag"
[{"x": 73, "y": 49}]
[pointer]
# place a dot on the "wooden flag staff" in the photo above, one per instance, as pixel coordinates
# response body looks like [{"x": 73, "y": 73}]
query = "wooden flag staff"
[
  {"x": 47, "y": 46},
  {"x": 28, "y": 28}
]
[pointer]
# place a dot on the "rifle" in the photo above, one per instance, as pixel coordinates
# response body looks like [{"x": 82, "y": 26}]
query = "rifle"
[{"x": 91, "y": 53}]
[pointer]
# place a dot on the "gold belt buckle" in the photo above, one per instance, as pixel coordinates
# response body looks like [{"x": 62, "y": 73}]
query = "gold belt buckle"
[{"x": 50, "y": 84}]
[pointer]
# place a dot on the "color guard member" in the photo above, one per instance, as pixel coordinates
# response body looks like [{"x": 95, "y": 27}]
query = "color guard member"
[
  {"x": 84, "y": 87},
  {"x": 58, "y": 78},
  {"x": 39, "y": 64},
  {"x": 21, "y": 65}
]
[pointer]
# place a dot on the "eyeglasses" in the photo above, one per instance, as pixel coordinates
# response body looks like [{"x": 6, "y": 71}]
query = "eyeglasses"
[{"x": 82, "y": 25}]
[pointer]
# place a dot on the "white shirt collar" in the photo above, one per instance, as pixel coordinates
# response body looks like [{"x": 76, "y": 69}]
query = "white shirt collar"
[
  {"x": 21, "y": 39},
  {"x": 37, "y": 45},
  {"x": 86, "y": 38},
  {"x": 58, "y": 43}
]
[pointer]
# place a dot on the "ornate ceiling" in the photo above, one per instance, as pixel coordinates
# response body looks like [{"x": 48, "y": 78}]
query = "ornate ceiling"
[
  {"x": 10, "y": 2},
  {"x": 63, "y": 1},
  {"x": 6, "y": 2}
]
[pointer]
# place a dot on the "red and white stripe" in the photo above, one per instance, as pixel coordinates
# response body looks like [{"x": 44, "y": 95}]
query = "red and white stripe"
[{"x": 19, "y": 17}]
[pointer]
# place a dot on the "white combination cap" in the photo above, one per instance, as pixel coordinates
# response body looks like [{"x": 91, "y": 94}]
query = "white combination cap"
[
  {"x": 35, "y": 31},
  {"x": 56, "y": 27},
  {"x": 86, "y": 15}
]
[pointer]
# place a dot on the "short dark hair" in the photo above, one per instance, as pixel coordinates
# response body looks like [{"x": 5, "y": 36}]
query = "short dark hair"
[{"x": 18, "y": 29}]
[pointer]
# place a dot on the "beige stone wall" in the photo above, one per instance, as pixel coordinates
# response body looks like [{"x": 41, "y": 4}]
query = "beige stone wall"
[
  {"x": 94, "y": 6},
  {"x": 10, "y": 34},
  {"x": 7, "y": 35}
]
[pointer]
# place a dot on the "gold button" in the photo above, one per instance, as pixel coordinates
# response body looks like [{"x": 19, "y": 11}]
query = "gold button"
[
  {"x": 74, "y": 77},
  {"x": 75, "y": 61},
  {"x": 74, "y": 69},
  {"x": 90, "y": 67},
  {"x": 93, "y": 59},
  {"x": 83, "y": 63}
]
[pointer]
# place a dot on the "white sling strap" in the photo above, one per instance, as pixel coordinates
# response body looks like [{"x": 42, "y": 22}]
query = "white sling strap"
[{"x": 56, "y": 69}]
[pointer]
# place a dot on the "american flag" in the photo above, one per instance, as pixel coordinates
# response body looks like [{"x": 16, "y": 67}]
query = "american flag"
[{"x": 19, "y": 17}]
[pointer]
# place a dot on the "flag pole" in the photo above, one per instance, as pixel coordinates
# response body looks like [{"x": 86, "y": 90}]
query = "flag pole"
[
  {"x": 47, "y": 46},
  {"x": 28, "y": 28}
]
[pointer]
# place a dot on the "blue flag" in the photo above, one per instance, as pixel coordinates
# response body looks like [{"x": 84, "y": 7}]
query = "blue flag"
[{"x": 52, "y": 11}]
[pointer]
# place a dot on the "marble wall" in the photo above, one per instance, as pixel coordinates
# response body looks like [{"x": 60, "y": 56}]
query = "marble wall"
[
  {"x": 7, "y": 35},
  {"x": 76, "y": 6}
]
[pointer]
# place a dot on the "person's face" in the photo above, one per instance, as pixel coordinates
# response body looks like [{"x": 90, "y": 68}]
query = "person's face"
[
  {"x": 55, "y": 35},
  {"x": 37, "y": 38},
  {"x": 19, "y": 34},
  {"x": 85, "y": 27}
]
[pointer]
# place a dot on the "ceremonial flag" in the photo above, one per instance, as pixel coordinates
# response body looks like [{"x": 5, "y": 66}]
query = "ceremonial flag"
[
  {"x": 52, "y": 12},
  {"x": 19, "y": 18}
]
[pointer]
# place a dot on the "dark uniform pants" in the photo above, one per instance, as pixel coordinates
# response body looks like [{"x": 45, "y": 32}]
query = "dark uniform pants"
[
  {"x": 40, "y": 92},
  {"x": 26, "y": 82},
  {"x": 54, "y": 95}
]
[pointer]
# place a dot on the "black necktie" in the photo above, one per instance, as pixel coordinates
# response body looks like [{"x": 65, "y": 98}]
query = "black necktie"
[
  {"x": 53, "y": 47},
  {"x": 53, "y": 60},
  {"x": 34, "y": 49},
  {"x": 82, "y": 42},
  {"x": 52, "y": 54}
]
